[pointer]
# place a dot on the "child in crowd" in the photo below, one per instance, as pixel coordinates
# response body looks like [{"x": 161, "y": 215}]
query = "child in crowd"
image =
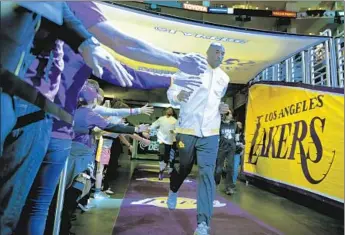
[
  {"x": 83, "y": 146},
  {"x": 106, "y": 141}
]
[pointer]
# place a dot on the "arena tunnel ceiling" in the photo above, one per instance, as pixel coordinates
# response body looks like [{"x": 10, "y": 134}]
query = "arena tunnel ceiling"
[
  {"x": 248, "y": 52},
  {"x": 313, "y": 26},
  {"x": 307, "y": 26},
  {"x": 297, "y": 6}
]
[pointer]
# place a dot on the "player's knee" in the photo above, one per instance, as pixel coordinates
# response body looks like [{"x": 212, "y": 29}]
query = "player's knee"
[
  {"x": 206, "y": 171},
  {"x": 184, "y": 170}
]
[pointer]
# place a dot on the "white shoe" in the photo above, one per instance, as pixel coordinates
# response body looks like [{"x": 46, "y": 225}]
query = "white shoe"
[
  {"x": 108, "y": 191},
  {"x": 202, "y": 229},
  {"x": 162, "y": 166},
  {"x": 86, "y": 208}
]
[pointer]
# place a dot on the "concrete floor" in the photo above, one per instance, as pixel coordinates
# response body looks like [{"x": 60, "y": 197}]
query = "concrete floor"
[{"x": 278, "y": 212}]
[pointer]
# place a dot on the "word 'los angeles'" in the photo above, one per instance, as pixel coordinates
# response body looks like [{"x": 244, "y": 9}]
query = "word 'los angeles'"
[{"x": 299, "y": 107}]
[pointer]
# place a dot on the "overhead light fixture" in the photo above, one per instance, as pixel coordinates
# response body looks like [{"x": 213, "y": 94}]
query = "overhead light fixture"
[
  {"x": 239, "y": 6},
  {"x": 256, "y": 8},
  {"x": 309, "y": 9},
  {"x": 266, "y": 8},
  {"x": 230, "y": 11}
]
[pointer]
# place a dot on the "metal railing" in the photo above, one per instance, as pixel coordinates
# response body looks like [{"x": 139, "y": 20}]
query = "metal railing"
[
  {"x": 321, "y": 65},
  {"x": 339, "y": 44}
]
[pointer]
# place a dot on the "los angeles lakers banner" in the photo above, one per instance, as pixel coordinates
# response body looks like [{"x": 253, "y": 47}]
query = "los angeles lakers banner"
[{"x": 295, "y": 136}]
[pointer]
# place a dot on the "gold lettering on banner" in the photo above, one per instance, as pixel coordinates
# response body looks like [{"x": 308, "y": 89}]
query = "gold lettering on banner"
[{"x": 288, "y": 140}]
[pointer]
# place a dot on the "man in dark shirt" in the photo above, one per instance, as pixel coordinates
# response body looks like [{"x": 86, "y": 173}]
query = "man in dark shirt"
[{"x": 227, "y": 148}]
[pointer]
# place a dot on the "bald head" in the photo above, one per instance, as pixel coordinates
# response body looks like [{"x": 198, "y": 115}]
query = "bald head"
[
  {"x": 215, "y": 54},
  {"x": 216, "y": 45}
]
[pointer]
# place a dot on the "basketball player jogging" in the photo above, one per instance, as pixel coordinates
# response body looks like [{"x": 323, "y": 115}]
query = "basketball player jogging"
[
  {"x": 165, "y": 126},
  {"x": 198, "y": 133}
]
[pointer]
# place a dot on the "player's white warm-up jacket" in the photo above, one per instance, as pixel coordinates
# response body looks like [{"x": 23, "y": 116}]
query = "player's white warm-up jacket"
[{"x": 200, "y": 115}]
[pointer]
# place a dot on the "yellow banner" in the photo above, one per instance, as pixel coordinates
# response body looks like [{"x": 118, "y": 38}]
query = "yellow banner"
[
  {"x": 248, "y": 52},
  {"x": 295, "y": 136}
]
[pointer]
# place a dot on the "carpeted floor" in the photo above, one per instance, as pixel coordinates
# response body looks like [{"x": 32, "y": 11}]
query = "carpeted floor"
[{"x": 144, "y": 211}]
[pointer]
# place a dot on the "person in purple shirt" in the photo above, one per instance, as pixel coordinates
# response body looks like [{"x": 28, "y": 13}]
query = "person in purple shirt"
[
  {"x": 73, "y": 77},
  {"x": 23, "y": 149},
  {"x": 83, "y": 147},
  {"x": 81, "y": 154},
  {"x": 85, "y": 120}
]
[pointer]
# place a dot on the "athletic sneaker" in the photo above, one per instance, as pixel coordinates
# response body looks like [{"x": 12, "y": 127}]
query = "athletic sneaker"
[
  {"x": 108, "y": 191},
  {"x": 202, "y": 229},
  {"x": 100, "y": 195},
  {"x": 172, "y": 200},
  {"x": 161, "y": 175},
  {"x": 230, "y": 191},
  {"x": 87, "y": 207}
]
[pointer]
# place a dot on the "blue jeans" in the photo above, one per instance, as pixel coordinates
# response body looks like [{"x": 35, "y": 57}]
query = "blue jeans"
[
  {"x": 80, "y": 158},
  {"x": 35, "y": 212},
  {"x": 15, "y": 42},
  {"x": 237, "y": 160},
  {"x": 7, "y": 118},
  {"x": 206, "y": 149},
  {"x": 22, "y": 157}
]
